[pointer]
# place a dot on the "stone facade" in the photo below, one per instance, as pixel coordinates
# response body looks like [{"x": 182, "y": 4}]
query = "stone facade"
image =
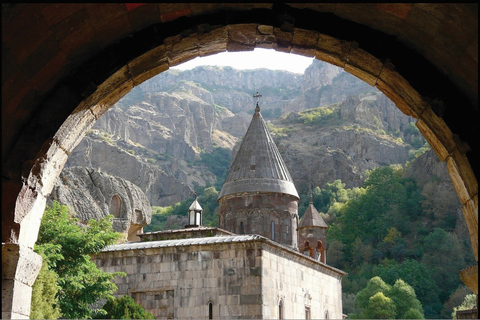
[
  {"x": 242, "y": 276},
  {"x": 273, "y": 216}
]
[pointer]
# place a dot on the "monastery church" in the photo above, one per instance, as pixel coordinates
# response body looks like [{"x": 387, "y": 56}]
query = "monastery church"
[{"x": 262, "y": 263}]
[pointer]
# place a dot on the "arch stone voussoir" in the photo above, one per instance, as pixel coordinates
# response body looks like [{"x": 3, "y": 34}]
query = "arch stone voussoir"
[
  {"x": 462, "y": 176},
  {"x": 470, "y": 213},
  {"x": 363, "y": 65},
  {"x": 148, "y": 65},
  {"x": 436, "y": 132},
  {"x": 304, "y": 42},
  {"x": 397, "y": 89},
  {"x": 245, "y": 34},
  {"x": 332, "y": 50},
  {"x": 212, "y": 42},
  {"x": 180, "y": 49}
]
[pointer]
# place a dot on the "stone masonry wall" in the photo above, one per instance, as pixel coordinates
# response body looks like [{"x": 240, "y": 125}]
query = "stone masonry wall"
[
  {"x": 300, "y": 283},
  {"x": 256, "y": 212},
  {"x": 241, "y": 279},
  {"x": 180, "y": 281}
]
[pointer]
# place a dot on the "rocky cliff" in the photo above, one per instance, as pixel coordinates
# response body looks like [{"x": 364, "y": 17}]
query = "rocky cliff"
[
  {"x": 344, "y": 147},
  {"x": 92, "y": 194},
  {"x": 155, "y": 136}
]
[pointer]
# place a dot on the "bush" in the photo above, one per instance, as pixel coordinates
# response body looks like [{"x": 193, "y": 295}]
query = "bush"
[{"x": 124, "y": 308}]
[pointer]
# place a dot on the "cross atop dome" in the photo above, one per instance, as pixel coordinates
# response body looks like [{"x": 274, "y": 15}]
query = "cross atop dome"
[{"x": 257, "y": 97}]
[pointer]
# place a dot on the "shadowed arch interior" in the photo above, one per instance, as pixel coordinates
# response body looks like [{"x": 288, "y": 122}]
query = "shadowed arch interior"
[{"x": 63, "y": 67}]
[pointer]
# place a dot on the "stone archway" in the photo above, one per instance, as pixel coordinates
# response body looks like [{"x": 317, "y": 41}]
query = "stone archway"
[{"x": 55, "y": 88}]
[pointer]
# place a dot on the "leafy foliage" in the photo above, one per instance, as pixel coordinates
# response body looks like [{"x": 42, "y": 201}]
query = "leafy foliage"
[
  {"x": 316, "y": 116},
  {"x": 217, "y": 162},
  {"x": 379, "y": 307},
  {"x": 44, "y": 294},
  {"x": 67, "y": 246},
  {"x": 207, "y": 197},
  {"x": 392, "y": 228},
  {"x": 418, "y": 276},
  {"x": 124, "y": 308},
  {"x": 382, "y": 301},
  {"x": 469, "y": 302}
]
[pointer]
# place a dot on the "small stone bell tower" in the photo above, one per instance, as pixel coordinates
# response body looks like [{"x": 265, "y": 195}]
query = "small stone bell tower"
[
  {"x": 258, "y": 196},
  {"x": 312, "y": 230}
]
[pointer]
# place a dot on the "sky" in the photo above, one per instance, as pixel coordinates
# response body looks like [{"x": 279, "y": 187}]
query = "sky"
[{"x": 258, "y": 58}]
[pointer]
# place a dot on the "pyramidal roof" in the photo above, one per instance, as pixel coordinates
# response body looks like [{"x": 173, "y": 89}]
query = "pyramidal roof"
[
  {"x": 258, "y": 165},
  {"x": 195, "y": 206},
  {"x": 312, "y": 218}
]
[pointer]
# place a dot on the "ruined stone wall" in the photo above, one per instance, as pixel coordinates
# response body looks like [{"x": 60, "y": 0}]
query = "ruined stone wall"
[{"x": 299, "y": 283}]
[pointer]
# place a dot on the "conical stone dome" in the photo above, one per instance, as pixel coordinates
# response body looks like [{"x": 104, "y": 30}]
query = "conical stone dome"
[{"x": 258, "y": 165}]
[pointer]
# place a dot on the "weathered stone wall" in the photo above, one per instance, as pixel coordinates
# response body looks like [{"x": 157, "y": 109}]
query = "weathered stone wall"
[
  {"x": 242, "y": 279},
  {"x": 254, "y": 214},
  {"x": 180, "y": 281},
  {"x": 300, "y": 283}
]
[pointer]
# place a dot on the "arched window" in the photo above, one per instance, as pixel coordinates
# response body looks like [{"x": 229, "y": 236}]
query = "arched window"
[
  {"x": 326, "y": 315},
  {"x": 280, "y": 309},
  {"x": 115, "y": 206},
  {"x": 273, "y": 230},
  {"x": 210, "y": 310},
  {"x": 242, "y": 230}
]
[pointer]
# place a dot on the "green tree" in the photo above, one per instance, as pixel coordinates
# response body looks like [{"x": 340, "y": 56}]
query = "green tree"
[
  {"x": 44, "y": 294},
  {"x": 124, "y": 308},
  {"x": 405, "y": 299},
  {"x": 444, "y": 256},
  {"x": 470, "y": 302},
  {"x": 378, "y": 300},
  {"x": 208, "y": 201},
  {"x": 419, "y": 277},
  {"x": 374, "y": 285},
  {"x": 68, "y": 244},
  {"x": 455, "y": 299},
  {"x": 379, "y": 307},
  {"x": 413, "y": 314}
]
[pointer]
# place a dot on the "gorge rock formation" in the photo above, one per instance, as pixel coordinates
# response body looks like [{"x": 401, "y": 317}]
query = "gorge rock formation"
[
  {"x": 155, "y": 136},
  {"x": 92, "y": 194}
]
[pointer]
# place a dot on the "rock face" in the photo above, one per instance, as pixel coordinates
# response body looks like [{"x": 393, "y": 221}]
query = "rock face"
[
  {"x": 156, "y": 134},
  {"x": 160, "y": 187},
  {"x": 94, "y": 195}
]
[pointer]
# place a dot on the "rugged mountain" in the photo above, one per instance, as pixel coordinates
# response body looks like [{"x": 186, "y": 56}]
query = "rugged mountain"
[
  {"x": 155, "y": 136},
  {"x": 353, "y": 138}
]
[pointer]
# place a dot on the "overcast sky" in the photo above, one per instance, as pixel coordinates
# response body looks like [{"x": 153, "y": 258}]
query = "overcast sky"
[{"x": 258, "y": 58}]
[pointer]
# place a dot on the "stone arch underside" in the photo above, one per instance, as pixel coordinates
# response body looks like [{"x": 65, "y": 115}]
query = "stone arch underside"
[{"x": 61, "y": 96}]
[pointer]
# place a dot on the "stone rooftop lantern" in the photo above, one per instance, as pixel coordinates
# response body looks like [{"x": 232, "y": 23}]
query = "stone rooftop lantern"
[{"x": 194, "y": 214}]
